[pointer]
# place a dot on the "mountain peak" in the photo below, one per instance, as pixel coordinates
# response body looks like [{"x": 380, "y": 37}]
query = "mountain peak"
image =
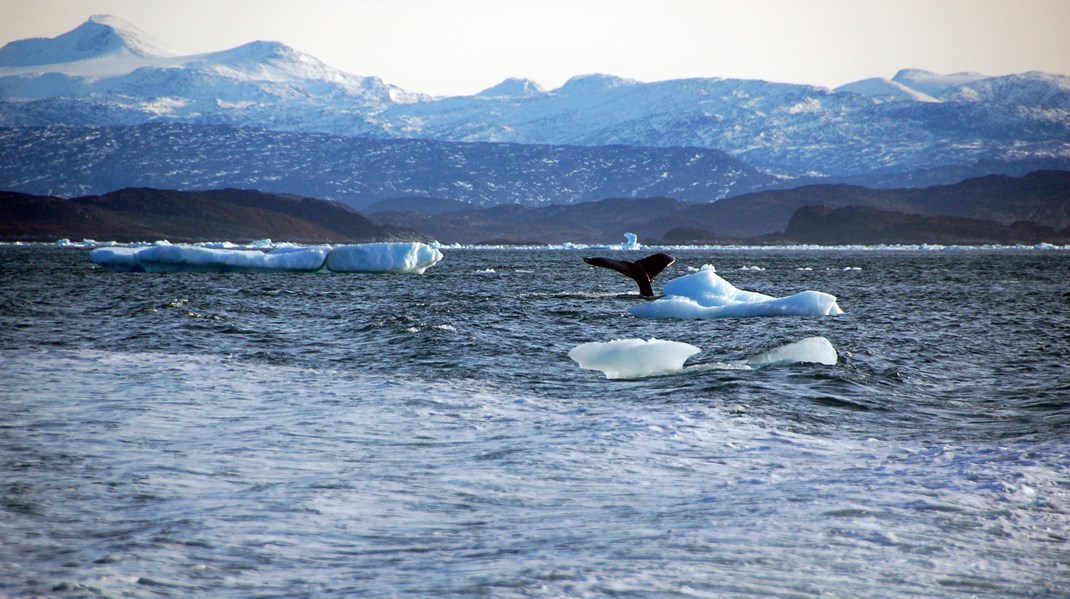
[
  {"x": 513, "y": 88},
  {"x": 256, "y": 52},
  {"x": 101, "y": 35},
  {"x": 593, "y": 83}
]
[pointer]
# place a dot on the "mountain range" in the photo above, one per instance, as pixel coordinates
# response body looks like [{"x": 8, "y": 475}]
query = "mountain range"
[{"x": 106, "y": 73}]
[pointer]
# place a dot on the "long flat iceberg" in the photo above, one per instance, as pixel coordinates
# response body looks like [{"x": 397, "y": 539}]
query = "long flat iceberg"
[
  {"x": 183, "y": 258},
  {"x": 369, "y": 257},
  {"x": 704, "y": 294},
  {"x": 395, "y": 257}
]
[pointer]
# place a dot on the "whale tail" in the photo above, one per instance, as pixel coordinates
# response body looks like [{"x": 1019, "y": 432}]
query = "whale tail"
[{"x": 641, "y": 271}]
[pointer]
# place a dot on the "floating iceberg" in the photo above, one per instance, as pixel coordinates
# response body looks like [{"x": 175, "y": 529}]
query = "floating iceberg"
[
  {"x": 395, "y": 257},
  {"x": 704, "y": 294},
  {"x": 369, "y": 257},
  {"x": 633, "y": 358},
  {"x": 631, "y": 242}
]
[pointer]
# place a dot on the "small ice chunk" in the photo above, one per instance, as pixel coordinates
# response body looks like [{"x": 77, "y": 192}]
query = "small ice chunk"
[
  {"x": 394, "y": 257},
  {"x": 633, "y": 358},
  {"x": 817, "y": 350}
]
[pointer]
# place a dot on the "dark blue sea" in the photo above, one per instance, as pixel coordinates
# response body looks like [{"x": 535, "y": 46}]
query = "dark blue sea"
[{"x": 352, "y": 435}]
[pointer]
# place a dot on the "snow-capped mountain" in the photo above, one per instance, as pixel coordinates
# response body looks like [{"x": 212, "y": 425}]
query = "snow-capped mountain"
[
  {"x": 105, "y": 73},
  {"x": 101, "y": 37}
]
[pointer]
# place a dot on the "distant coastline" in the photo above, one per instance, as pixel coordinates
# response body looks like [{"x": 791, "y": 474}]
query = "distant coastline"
[{"x": 989, "y": 210}]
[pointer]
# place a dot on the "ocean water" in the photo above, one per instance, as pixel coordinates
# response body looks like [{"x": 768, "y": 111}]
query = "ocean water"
[{"x": 326, "y": 435}]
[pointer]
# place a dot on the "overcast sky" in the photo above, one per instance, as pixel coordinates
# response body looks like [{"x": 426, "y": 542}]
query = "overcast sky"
[{"x": 459, "y": 47}]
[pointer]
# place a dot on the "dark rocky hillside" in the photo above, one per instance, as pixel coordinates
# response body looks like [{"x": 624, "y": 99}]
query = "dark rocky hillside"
[
  {"x": 152, "y": 214},
  {"x": 862, "y": 225},
  {"x": 1041, "y": 198}
]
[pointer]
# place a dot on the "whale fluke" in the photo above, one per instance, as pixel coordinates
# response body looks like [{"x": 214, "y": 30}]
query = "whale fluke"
[{"x": 642, "y": 271}]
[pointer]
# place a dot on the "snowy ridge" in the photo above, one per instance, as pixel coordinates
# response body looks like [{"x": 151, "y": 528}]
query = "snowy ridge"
[
  {"x": 106, "y": 73},
  {"x": 101, "y": 35},
  {"x": 109, "y": 65}
]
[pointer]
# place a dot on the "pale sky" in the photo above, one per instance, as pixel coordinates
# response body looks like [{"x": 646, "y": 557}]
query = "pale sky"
[{"x": 459, "y": 47}]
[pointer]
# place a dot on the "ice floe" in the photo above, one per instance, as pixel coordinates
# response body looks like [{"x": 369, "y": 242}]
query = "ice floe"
[{"x": 633, "y": 358}]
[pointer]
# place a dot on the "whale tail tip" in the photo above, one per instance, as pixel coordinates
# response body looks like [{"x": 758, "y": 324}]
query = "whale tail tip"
[{"x": 641, "y": 271}]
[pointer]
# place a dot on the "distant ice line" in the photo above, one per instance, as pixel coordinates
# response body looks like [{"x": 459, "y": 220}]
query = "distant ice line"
[{"x": 269, "y": 244}]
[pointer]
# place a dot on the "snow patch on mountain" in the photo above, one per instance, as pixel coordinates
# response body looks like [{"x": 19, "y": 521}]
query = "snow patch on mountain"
[
  {"x": 934, "y": 84},
  {"x": 885, "y": 90}
]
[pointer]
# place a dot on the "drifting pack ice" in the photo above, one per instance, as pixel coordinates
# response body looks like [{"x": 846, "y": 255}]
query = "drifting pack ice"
[
  {"x": 394, "y": 257},
  {"x": 704, "y": 294}
]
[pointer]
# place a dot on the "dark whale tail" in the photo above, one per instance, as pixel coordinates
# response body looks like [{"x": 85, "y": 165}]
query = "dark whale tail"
[{"x": 642, "y": 271}]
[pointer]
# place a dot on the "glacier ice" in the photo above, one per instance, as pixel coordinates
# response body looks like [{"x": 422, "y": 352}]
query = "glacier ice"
[
  {"x": 633, "y": 358},
  {"x": 704, "y": 294},
  {"x": 396, "y": 257}
]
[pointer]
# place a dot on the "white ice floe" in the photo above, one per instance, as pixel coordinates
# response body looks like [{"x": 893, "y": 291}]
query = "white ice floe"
[
  {"x": 704, "y": 294},
  {"x": 370, "y": 257},
  {"x": 633, "y": 358},
  {"x": 395, "y": 257},
  {"x": 636, "y": 358}
]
